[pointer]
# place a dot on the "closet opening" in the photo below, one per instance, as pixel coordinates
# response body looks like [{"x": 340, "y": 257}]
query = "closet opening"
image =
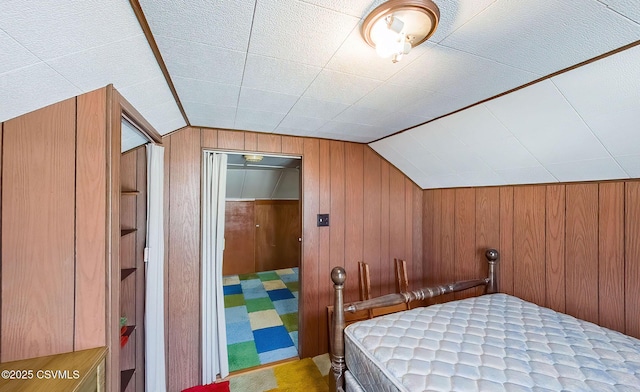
[{"x": 261, "y": 257}]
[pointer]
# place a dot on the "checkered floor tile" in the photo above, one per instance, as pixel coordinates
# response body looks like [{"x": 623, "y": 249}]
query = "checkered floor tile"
[{"x": 261, "y": 312}]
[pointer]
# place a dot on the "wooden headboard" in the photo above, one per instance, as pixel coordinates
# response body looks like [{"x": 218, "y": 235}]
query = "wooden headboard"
[{"x": 339, "y": 276}]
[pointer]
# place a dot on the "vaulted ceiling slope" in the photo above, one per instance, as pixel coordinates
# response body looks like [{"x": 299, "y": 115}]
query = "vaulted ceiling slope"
[
  {"x": 300, "y": 67},
  {"x": 56, "y": 49},
  {"x": 577, "y": 126}
]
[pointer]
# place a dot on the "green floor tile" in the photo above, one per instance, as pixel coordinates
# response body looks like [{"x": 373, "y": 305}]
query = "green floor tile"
[
  {"x": 233, "y": 300},
  {"x": 242, "y": 356},
  {"x": 292, "y": 286},
  {"x": 248, "y": 276},
  {"x": 257, "y": 304},
  {"x": 290, "y": 321},
  {"x": 269, "y": 276}
]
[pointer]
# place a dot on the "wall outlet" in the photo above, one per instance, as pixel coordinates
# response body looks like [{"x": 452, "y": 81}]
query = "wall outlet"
[{"x": 323, "y": 220}]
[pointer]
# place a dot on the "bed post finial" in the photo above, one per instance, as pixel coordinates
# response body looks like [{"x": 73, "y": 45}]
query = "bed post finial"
[
  {"x": 336, "y": 383},
  {"x": 492, "y": 256}
]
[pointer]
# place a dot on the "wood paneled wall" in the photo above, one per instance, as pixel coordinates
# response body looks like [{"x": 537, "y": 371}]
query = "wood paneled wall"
[
  {"x": 54, "y": 229},
  {"x": 375, "y": 215},
  {"x": 572, "y": 247}
]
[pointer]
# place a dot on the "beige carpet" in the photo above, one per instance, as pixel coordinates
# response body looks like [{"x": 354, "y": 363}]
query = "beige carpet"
[{"x": 308, "y": 375}]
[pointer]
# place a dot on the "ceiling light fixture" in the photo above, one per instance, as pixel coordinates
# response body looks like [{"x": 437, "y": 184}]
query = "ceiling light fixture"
[
  {"x": 253, "y": 158},
  {"x": 396, "y": 26}
]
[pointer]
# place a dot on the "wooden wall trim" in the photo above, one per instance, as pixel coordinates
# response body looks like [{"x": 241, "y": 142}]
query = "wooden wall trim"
[
  {"x": 114, "y": 141},
  {"x": 184, "y": 260},
  {"x": 91, "y": 220},
  {"x": 1, "y": 314},
  {"x": 632, "y": 258}
]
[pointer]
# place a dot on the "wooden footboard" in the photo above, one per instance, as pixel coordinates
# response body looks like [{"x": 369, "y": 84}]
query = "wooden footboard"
[{"x": 338, "y": 276}]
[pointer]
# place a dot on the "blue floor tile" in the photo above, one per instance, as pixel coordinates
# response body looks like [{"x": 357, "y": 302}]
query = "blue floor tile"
[
  {"x": 294, "y": 337},
  {"x": 236, "y": 314},
  {"x": 279, "y": 294},
  {"x": 250, "y": 284},
  {"x": 256, "y": 292},
  {"x": 272, "y": 338},
  {"x": 277, "y": 355},
  {"x": 289, "y": 278},
  {"x": 286, "y": 306},
  {"x": 239, "y": 332},
  {"x": 232, "y": 289}
]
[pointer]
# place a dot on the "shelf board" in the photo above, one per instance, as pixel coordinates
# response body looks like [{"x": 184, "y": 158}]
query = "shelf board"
[
  {"x": 129, "y": 330},
  {"x": 125, "y": 377},
  {"x": 127, "y": 232},
  {"x": 129, "y": 193},
  {"x": 126, "y": 272}
]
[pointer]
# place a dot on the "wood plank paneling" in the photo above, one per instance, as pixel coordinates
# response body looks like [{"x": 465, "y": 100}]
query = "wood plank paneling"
[
  {"x": 308, "y": 301},
  {"x": 447, "y": 265},
  {"x": 209, "y": 138},
  {"x": 466, "y": 266},
  {"x": 184, "y": 260},
  {"x": 292, "y": 145},
  {"x": 419, "y": 278},
  {"x": 91, "y": 215},
  {"x": 611, "y": 255},
  {"x": 250, "y": 141},
  {"x": 587, "y": 231},
  {"x": 38, "y": 262},
  {"x": 324, "y": 257},
  {"x": 408, "y": 227},
  {"x": 337, "y": 214},
  {"x": 344, "y": 196},
  {"x": 1, "y": 316},
  {"x": 270, "y": 143},
  {"x": 632, "y": 259},
  {"x": 505, "y": 268},
  {"x": 529, "y": 243},
  {"x": 396, "y": 229},
  {"x": 385, "y": 230},
  {"x": 230, "y": 140},
  {"x": 372, "y": 202},
  {"x": 487, "y": 228},
  {"x": 581, "y": 260},
  {"x": 555, "y": 247},
  {"x": 431, "y": 229},
  {"x": 354, "y": 220},
  {"x": 240, "y": 238}
]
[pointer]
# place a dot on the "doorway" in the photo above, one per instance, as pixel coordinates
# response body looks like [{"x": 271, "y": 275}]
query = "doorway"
[{"x": 261, "y": 259}]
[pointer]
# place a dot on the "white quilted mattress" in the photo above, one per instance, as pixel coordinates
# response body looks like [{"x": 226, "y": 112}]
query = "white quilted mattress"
[{"x": 490, "y": 343}]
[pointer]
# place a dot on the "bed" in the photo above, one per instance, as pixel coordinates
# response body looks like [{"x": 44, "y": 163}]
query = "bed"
[{"x": 494, "y": 342}]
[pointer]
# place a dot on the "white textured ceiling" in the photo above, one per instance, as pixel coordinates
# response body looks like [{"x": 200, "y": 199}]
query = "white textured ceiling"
[
  {"x": 300, "y": 67},
  {"x": 273, "y": 178},
  {"x": 580, "y": 125},
  {"x": 56, "y": 49}
]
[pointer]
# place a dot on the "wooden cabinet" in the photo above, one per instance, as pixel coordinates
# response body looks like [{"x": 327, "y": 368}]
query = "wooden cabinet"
[
  {"x": 261, "y": 235},
  {"x": 79, "y": 371},
  {"x": 133, "y": 223}
]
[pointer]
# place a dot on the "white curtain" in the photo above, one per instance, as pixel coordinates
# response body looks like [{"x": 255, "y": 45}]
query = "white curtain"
[
  {"x": 214, "y": 339},
  {"x": 155, "y": 379}
]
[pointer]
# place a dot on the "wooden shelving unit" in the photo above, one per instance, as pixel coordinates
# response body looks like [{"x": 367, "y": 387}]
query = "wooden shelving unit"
[{"x": 132, "y": 243}]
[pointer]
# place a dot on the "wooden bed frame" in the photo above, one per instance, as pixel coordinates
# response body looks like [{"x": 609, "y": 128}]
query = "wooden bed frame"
[{"x": 338, "y": 276}]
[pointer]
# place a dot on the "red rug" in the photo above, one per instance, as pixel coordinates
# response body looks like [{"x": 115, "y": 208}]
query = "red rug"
[{"x": 222, "y": 386}]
